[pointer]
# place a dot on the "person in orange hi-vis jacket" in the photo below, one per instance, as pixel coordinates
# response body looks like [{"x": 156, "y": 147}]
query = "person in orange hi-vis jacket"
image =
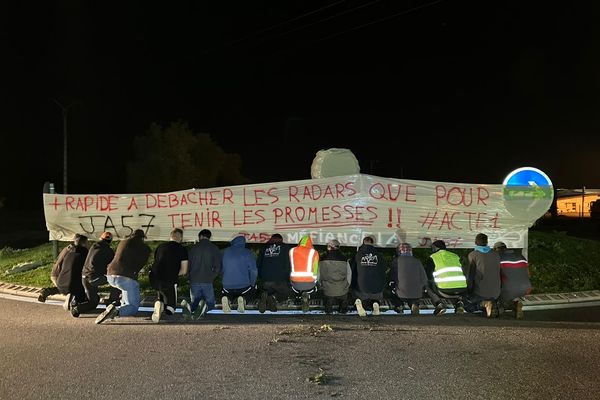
[{"x": 304, "y": 260}]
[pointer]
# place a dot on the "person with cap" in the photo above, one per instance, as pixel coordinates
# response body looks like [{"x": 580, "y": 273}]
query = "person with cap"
[
  {"x": 204, "y": 261},
  {"x": 407, "y": 280},
  {"x": 122, "y": 273},
  {"x": 514, "y": 278},
  {"x": 304, "y": 271},
  {"x": 483, "y": 278},
  {"x": 446, "y": 278},
  {"x": 94, "y": 275},
  {"x": 238, "y": 275},
  {"x": 170, "y": 262},
  {"x": 274, "y": 273},
  {"x": 334, "y": 277},
  {"x": 78, "y": 240},
  {"x": 369, "y": 268}
]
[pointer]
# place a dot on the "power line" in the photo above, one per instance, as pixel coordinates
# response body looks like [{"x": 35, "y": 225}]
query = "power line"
[
  {"x": 234, "y": 42},
  {"x": 328, "y": 18},
  {"x": 379, "y": 20}
]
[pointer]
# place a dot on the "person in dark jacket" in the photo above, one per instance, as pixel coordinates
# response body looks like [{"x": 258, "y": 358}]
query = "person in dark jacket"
[
  {"x": 369, "y": 268},
  {"x": 205, "y": 261},
  {"x": 57, "y": 266},
  {"x": 68, "y": 281},
  {"x": 483, "y": 278},
  {"x": 407, "y": 280},
  {"x": 274, "y": 273},
  {"x": 514, "y": 277},
  {"x": 122, "y": 273},
  {"x": 170, "y": 261},
  {"x": 94, "y": 275},
  {"x": 239, "y": 274},
  {"x": 334, "y": 277}
]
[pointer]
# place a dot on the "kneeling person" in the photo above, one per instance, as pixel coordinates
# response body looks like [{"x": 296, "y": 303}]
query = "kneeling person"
[
  {"x": 170, "y": 262},
  {"x": 335, "y": 277},
  {"x": 408, "y": 280}
]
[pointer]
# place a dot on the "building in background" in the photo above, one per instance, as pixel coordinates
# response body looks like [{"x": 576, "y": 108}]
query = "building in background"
[{"x": 571, "y": 203}]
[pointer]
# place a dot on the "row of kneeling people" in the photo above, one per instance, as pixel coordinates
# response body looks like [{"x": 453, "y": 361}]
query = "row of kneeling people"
[{"x": 491, "y": 280}]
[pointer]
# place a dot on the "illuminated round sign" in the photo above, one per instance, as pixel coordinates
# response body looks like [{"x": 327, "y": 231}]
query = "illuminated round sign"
[{"x": 528, "y": 193}]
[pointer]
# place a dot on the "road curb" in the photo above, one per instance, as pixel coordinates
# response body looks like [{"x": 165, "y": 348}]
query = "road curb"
[{"x": 532, "y": 302}]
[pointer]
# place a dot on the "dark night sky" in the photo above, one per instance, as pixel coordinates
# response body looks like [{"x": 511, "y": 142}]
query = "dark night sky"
[{"x": 471, "y": 90}]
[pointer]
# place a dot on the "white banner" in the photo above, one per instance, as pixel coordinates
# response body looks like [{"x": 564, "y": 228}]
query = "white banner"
[{"x": 346, "y": 208}]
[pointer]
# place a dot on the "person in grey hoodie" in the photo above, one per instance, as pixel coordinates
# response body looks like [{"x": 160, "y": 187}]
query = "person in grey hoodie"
[
  {"x": 239, "y": 274},
  {"x": 483, "y": 278},
  {"x": 204, "y": 266},
  {"x": 334, "y": 277},
  {"x": 407, "y": 280}
]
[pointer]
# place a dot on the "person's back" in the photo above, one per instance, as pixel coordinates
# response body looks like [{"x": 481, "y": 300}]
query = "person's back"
[
  {"x": 334, "y": 271},
  {"x": 167, "y": 261},
  {"x": 483, "y": 277},
  {"x": 122, "y": 273},
  {"x": 274, "y": 261},
  {"x": 69, "y": 279},
  {"x": 409, "y": 277},
  {"x": 274, "y": 273},
  {"x": 370, "y": 279},
  {"x": 484, "y": 273},
  {"x": 204, "y": 265},
  {"x": 204, "y": 261},
  {"x": 98, "y": 258},
  {"x": 130, "y": 257},
  {"x": 370, "y": 269},
  {"x": 57, "y": 266},
  {"x": 170, "y": 261},
  {"x": 239, "y": 265},
  {"x": 304, "y": 270},
  {"x": 514, "y": 276}
]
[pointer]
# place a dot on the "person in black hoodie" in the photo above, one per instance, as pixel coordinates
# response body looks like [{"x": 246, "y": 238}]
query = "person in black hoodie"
[
  {"x": 274, "y": 272},
  {"x": 94, "y": 275},
  {"x": 369, "y": 268},
  {"x": 68, "y": 281},
  {"x": 57, "y": 267},
  {"x": 130, "y": 257}
]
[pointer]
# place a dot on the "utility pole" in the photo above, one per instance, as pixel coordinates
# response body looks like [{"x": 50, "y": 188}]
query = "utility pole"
[{"x": 65, "y": 111}]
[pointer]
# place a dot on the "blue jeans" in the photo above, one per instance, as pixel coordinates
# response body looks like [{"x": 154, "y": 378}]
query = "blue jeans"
[
  {"x": 199, "y": 291},
  {"x": 130, "y": 294}
]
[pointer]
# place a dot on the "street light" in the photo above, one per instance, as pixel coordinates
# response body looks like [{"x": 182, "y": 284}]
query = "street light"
[{"x": 65, "y": 111}]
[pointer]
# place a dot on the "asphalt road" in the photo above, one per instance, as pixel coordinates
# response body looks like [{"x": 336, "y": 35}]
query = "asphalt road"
[{"x": 47, "y": 354}]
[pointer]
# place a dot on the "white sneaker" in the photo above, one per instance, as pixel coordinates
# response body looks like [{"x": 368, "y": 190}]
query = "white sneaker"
[
  {"x": 225, "y": 305},
  {"x": 241, "y": 304},
  {"x": 360, "y": 308},
  {"x": 158, "y": 310},
  {"x": 376, "y": 308},
  {"x": 67, "y": 303}
]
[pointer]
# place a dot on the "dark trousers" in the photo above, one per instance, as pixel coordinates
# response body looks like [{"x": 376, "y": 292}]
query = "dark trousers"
[
  {"x": 247, "y": 293},
  {"x": 400, "y": 302},
  {"x": 454, "y": 295},
  {"x": 341, "y": 301},
  {"x": 167, "y": 293},
  {"x": 280, "y": 290},
  {"x": 90, "y": 285}
]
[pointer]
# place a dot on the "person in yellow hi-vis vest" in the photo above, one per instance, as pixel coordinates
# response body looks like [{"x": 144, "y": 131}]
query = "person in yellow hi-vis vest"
[
  {"x": 446, "y": 278},
  {"x": 304, "y": 260}
]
